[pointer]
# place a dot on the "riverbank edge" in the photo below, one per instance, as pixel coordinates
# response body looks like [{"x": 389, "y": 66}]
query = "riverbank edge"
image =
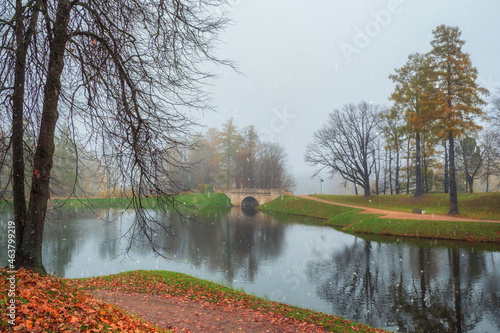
[
  {"x": 354, "y": 222},
  {"x": 190, "y": 200},
  {"x": 183, "y": 285}
]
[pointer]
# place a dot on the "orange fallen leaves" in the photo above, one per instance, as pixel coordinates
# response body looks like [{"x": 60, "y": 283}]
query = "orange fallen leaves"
[{"x": 46, "y": 303}]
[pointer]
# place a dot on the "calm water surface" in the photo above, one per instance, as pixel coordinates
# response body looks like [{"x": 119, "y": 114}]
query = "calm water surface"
[{"x": 400, "y": 285}]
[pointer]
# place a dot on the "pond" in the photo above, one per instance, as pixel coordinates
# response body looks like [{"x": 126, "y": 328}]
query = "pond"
[{"x": 391, "y": 283}]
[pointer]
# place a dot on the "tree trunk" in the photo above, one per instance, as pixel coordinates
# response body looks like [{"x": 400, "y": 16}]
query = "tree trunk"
[
  {"x": 390, "y": 172},
  {"x": 408, "y": 168},
  {"x": 426, "y": 183},
  {"x": 367, "y": 189},
  {"x": 30, "y": 251},
  {"x": 385, "y": 171},
  {"x": 377, "y": 173},
  {"x": 396, "y": 183},
  {"x": 23, "y": 40},
  {"x": 488, "y": 177},
  {"x": 453, "y": 182},
  {"x": 470, "y": 181},
  {"x": 446, "y": 179},
  {"x": 18, "y": 174},
  {"x": 418, "y": 180}
]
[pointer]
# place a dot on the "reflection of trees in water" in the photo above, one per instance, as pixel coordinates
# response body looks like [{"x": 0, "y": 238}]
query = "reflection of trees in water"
[
  {"x": 68, "y": 229},
  {"x": 409, "y": 288},
  {"x": 220, "y": 239},
  {"x": 226, "y": 241}
]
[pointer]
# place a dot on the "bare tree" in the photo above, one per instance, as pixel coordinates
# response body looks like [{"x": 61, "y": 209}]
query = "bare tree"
[
  {"x": 491, "y": 156},
  {"x": 271, "y": 167},
  {"x": 122, "y": 74},
  {"x": 470, "y": 159},
  {"x": 345, "y": 144}
]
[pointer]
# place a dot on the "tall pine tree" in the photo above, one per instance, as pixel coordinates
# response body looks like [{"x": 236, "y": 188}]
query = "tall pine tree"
[
  {"x": 413, "y": 94},
  {"x": 459, "y": 95}
]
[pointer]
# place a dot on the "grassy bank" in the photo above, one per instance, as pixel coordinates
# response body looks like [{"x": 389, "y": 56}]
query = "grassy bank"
[
  {"x": 353, "y": 222},
  {"x": 177, "y": 284},
  {"x": 483, "y": 206},
  {"x": 213, "y": 199},
  {"x": 333, "y": 215},
  {"x": 465, "y": 231},
  {"x": 50, "y": 304}
]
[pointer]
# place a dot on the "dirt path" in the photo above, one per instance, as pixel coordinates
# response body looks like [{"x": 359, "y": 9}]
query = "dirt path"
[
  {"x": 399, "y": 215},
  {"x": 187, "y": 315}
]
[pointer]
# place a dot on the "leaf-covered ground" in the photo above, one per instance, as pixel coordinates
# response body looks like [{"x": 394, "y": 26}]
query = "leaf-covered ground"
[
  {"x": 49, "y": 304},
  {"x": 232, "y": 302},
  {"x": 162, "y": 300}
]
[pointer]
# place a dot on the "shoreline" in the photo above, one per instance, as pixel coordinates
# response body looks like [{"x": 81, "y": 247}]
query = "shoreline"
[{"x": 359, "y": 220}]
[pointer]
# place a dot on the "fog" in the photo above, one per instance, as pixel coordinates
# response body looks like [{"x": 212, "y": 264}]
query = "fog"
[{"x": 300, "y": 60}]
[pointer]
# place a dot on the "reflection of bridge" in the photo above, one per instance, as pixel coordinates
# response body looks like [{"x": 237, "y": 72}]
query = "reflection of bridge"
[{"x": 239, "y": 197}]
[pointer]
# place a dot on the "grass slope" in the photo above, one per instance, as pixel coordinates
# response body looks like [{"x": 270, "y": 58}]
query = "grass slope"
[
  {"x": 213, "y": 199},
  {"x": 353, "y": 222},
  {"x": 178, "y": 284},
  {"x": 334, "y": 215},
  {"x": 483, "y": 206},
  {"x": 468, "y": 231}
]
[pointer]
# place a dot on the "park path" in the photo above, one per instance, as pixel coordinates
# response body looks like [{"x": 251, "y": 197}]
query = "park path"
[{"x": 391, "y": 214}]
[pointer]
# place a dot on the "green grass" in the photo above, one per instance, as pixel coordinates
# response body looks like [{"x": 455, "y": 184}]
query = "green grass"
[
  {"x": 213, "y": 199},
  {"x": 352, "y": 221},
  {"x": 483, "y": 206},
  {"x": 178, "y": 284},
  {"x": 469, "y": 231},
  {"x": 333, "y": 215}
]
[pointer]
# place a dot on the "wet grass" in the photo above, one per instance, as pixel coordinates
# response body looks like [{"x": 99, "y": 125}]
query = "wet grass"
[
  {"x": 333, "y": 215},
  {"x": 468, "y": 231},
  {"x": 483, "y": 206},
  {"x": 352, "y": 221},
  {"x": 213, "y": 199}
]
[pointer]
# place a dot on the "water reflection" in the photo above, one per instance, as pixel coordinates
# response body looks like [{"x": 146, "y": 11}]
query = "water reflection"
[
  {"x": 227, "y": 242},
  {"x": 411, "y": 289},
  {"x": 403, "y": 285}
]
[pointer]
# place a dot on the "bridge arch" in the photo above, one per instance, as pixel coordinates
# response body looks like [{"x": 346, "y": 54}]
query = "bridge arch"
[
  {"x": 249, "y": 202},
  {"x": 262, "y": 196}
]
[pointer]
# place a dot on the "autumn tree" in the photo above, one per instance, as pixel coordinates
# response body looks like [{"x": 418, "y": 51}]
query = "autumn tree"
[
  {"x": 413, "y": 95},
  {"x": 459, "y": 95},
  {"x": 247, "y": 157},
  {"x": 229, "y": 144},
  {"x": 344, "y": 145},
  {"x": 255, "y": 163},
  {"x": 394, "y": 132},
  {"x": 122, "y": 73}
]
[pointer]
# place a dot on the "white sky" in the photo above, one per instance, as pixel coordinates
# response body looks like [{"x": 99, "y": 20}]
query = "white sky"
[{"x": 302, "y": 59}]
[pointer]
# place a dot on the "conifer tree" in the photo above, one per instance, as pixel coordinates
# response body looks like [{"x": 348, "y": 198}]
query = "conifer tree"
[
  {"x": 413, "y": 95},
  {"x": 459, "y": 95}
]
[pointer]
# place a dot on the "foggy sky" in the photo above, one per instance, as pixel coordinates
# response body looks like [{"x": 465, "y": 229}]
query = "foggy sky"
[{"x": 302, "y": 59}]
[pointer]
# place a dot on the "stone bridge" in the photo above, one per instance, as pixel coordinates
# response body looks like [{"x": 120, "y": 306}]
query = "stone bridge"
[{"x": 253, "y": 196}]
